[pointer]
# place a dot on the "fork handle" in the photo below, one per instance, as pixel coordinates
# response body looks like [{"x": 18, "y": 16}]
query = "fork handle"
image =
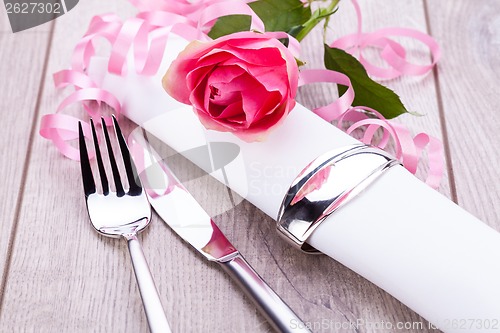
[{"x": 150, "y": 299}]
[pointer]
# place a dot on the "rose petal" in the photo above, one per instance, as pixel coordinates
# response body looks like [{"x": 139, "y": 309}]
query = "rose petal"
[
  {"x": 273, "y": 78},
  {"x": 225, "y": 98},
  {"x": 265, "y": 56},
  {"x": 244, "y": 83},
  {"x": 197, "y": 75},
  {"x": 234, "y": 111},
  {"x": 216, "y": 90},
  {"x": 209, "y": 123},
  {"x": 174, "y": 80},
  {"x": 225, "y": 74},
  {"x": 272, "y": 118},
  {"x": 214, "y": 57},
  {"x": 238, "y": 119},
  {"x": 253, "y": 101},
  {"x": 268, "y": 105},
  {"x": 197, "y": 96}
]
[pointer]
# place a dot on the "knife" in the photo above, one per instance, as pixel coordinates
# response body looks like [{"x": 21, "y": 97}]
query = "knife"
[{"x": 184, "y": 215}]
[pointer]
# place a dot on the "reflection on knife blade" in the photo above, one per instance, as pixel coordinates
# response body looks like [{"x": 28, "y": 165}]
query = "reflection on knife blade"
[{"x": 177, "y": 207}]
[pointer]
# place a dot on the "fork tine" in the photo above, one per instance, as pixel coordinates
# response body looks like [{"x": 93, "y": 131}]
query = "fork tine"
[
  {"x": 100, "y": 164},
  {"x": 87, "y": 177},
  {"x": 114, "y": 167},
  {"x": 134, "y": 182}
]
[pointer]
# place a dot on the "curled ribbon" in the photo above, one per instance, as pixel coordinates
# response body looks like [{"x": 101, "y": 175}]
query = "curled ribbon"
[
  {"x": 146, "y": 35},
  {"x": 61, "y": 128},
  {"x": 392, "y": 52},
  {"x": 408, "y": 149}
]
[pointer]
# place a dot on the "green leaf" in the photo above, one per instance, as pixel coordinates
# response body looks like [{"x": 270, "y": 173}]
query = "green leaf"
[
  {"x": 367, "y": 92},
  {"x": 226, "y": 25},
  {"x": 320, "y": 14},
  {"x": 281, "y": 15}
]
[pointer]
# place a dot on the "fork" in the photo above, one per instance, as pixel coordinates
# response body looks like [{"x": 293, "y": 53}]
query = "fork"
[{"x": 122, "y": 213}]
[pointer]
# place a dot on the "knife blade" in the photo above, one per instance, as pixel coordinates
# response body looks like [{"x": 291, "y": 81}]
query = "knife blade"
[{"x": 184, "y": 215}]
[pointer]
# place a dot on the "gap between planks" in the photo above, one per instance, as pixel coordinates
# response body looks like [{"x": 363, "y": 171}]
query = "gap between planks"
[
  {"x": 442, "y": 117},
  {"x": 20, "y": 196}
]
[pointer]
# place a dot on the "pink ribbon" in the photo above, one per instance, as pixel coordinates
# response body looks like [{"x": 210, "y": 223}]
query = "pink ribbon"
[
  {"x": 153, "y": 186},
  {"x": 392, "y": 52},
  {"x": 141, "y": 41},
  {"x": 214, "y": 11},
  {"x": 408, "y": 149},
  {"x": 61, "y": 128},
  {"x": 335, "y": 109},
  {"x": 103, "y": 26}
]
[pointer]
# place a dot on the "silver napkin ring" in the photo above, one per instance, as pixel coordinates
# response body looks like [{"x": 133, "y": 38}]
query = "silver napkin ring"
[{"x": 325, "y": 185}]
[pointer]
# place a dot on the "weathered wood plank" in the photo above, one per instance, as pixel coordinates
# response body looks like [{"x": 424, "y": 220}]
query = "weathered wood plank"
[
  {"x": 4, "y": 21},
  {"x": 364, "y": 300},
  {"x": 19, "y": 90},
  {"x": 61, "y": 270},
  {"x": 468, "y": 82},
  {"x": 417, "y": 93},
  {"x": 71, "y": 279}
]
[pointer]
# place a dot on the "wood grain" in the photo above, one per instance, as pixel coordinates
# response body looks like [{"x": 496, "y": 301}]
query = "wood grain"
[
  {"x": 18, "y": 102},
  {"x": 417, "y": 93},
  {"x": 4, "y": 21},
  {"x": 73, "y": 280},
  {"x": 363, "y": 299},
  {"x": 61, "y": 251},
  {"x": 468, "y": 80}
]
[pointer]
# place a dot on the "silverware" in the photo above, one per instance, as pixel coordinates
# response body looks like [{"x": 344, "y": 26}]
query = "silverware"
[
  {"x": 177, "y": 207},
  {"x": 123, "y": 213}
]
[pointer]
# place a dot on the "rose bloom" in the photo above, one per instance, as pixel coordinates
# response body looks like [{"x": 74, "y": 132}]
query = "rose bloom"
[{"x": 243, "y": 83}]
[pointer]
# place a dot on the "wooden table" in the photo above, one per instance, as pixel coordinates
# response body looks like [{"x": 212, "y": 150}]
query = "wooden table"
[{"x": 58, "y": 275}]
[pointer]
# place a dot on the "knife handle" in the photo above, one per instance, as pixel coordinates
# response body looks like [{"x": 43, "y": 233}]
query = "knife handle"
[{"x": 277, "y": 312}]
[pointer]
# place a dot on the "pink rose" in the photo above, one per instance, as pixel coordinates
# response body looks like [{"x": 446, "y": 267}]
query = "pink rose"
[{"x": 243, "y": 83}]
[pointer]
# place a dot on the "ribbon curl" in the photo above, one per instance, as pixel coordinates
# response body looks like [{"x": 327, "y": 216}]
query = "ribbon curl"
[
  {"x": 392, "y": 52},
  {"x": 146, "y": 36}
]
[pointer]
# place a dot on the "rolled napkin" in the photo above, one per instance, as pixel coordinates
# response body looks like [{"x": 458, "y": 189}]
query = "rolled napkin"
[{"x": 408, "y": 239}]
